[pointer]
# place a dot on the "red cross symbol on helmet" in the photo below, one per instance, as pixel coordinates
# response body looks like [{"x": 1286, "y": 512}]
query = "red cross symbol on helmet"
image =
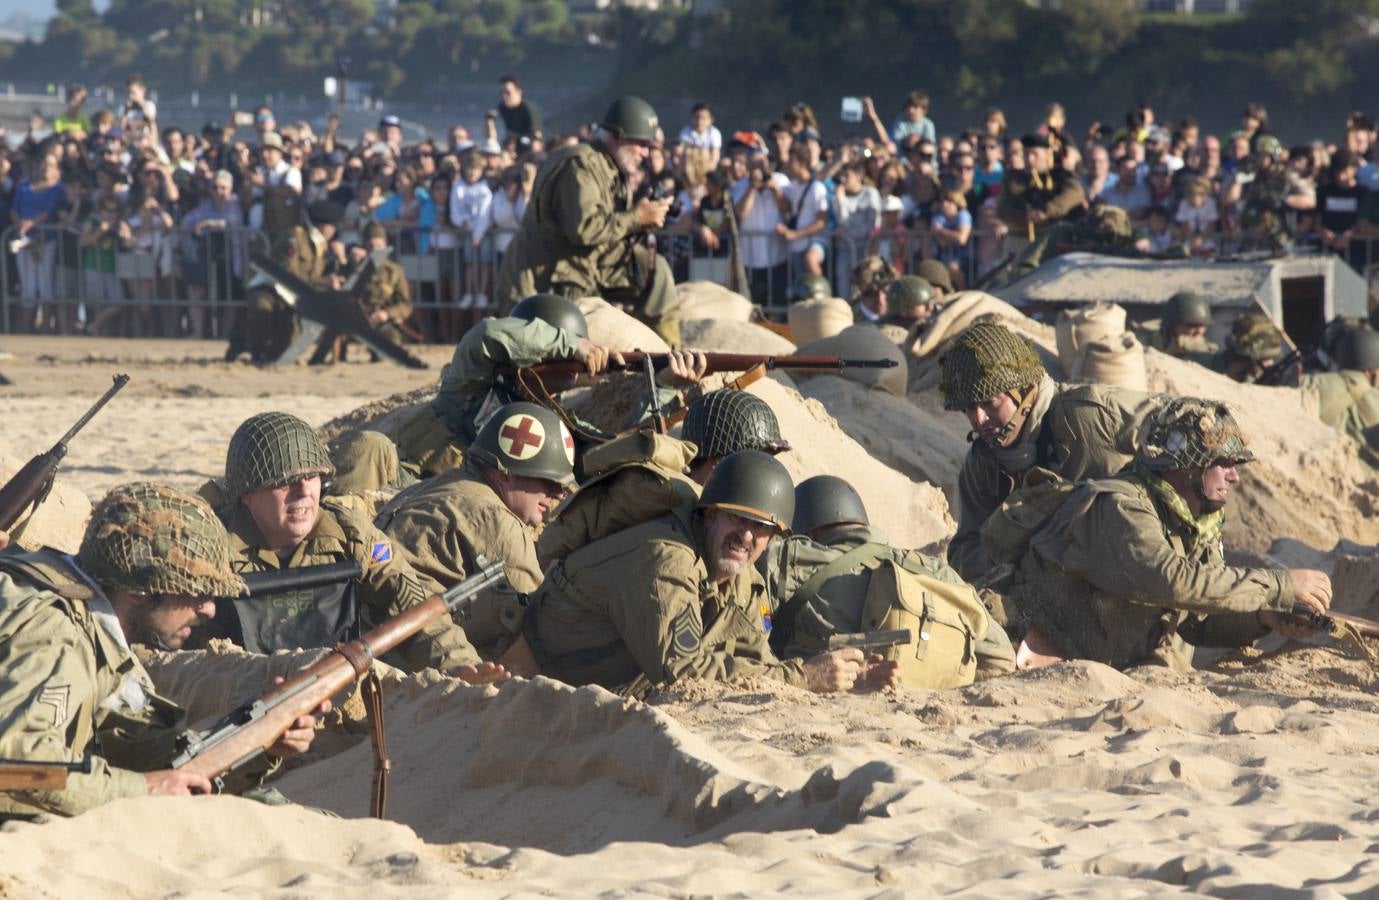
[{"x": 521, "y": 437}]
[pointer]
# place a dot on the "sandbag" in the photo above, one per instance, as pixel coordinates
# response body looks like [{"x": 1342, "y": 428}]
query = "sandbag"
[
  {"x": 863, "y": 342},
  {"x": 729, "y": 336},
  {"x": 961, "y": 310},
  {"x": 614, "y": 328},
  {"x": 814, "y": 320},
  {"x": 1076, "y": 328},
  {"x": 709, "y": 300},
  {"x": 58, "y": 522},
  {"x": 1116, "y": 361}
]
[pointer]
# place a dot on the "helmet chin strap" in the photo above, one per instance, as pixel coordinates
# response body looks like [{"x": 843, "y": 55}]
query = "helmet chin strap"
[{"x": 1024, "y": 404}]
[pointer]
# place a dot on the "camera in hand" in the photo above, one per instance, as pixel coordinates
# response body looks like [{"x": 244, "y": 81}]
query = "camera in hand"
[{"x": 663, "y": 191}]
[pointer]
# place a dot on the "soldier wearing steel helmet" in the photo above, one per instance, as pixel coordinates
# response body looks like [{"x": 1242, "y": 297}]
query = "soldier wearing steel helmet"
[
  {"x": 1022, "y": 419},
  {"x": 819, "y": 581},
  {"x": 1348, "y": 399},
  {"x": 810, "y": 287},
  {"x": 582, "y": 234},
  {"x": 153, "y": 563},
  {"x": 1183, "y": 328},
  {"x": 1252, "y": 346},
  {"x": 723, "y": 422},
  {"x": 680, "y": 597},
  {"x": 870, "y": 278},
  {"x": 542, "y": 328},
  {"x": 911, "y": 302},
  {"x": 518, "y": 468},
  {"x": 277, "y": 519},
  {"x": 1129, "y": 570}
]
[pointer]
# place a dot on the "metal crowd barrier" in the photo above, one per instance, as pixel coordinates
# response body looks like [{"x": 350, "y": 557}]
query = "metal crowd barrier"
[{"x": 176, "y": 285}]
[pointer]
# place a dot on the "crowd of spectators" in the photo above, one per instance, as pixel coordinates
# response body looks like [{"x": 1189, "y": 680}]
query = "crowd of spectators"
[{"x": 117, "y": 221}]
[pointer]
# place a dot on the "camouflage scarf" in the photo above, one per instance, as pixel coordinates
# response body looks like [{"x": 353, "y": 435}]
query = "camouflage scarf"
[{"x": 1203, "y": 531}]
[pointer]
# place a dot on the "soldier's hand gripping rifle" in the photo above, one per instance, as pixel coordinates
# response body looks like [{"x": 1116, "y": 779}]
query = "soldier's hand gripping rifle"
[
  {"x": 31, "y": 484},
  {"x": 242, "y": 736}
]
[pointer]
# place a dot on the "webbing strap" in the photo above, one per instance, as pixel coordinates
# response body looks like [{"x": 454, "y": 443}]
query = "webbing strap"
[
  {"x": 372, "y": 695},
  {"x": 859, "y": 555}
]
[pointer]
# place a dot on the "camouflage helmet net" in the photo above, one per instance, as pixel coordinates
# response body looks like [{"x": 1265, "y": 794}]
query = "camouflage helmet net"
[
  {"x": 726, "y": 421},
  {"x": 870, "y": 274},
  {"x": 1254, "y": 336},
  {"x": 1187, "y": 433},
  {"x": 272, "y": 449},
  {"x": 985, "y": 361},
  {"x": 149, "y": 539}
]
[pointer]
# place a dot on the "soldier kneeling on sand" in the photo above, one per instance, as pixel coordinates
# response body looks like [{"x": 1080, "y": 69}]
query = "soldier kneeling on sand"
[
  {"x": 1130, "y": 570},
  {"x": 277, "y": 519},
  {"x": 837, "y": 574}
]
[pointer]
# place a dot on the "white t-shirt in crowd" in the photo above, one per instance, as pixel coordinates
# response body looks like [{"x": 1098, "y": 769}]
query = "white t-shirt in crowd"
[
  {"x": 762, "y": 248},
  {"x": 809, "y": 200},
  {"x": 1197, "y": 219},
  {"x": 471, "y": 207},
  {"x": 704, "y": 140},
  {"x": 507, "y": 218}
]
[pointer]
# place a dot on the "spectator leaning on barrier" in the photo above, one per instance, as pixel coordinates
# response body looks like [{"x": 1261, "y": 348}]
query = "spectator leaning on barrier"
[
  {"x": 471, "y": 203},
  {"x": 807, "y": 218},
  {"x": 761, "y": 205}
]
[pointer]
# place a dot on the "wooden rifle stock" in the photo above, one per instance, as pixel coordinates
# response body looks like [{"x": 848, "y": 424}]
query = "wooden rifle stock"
[
  {"x": 31, "y": 484},
  {"x": 246, "y": 733},
  {"x": 24, "y": 775}
]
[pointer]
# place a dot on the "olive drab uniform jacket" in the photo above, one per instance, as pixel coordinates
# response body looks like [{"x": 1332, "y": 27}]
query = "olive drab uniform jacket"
[
  {"x": 1122, "y": 574},
  {"x": 390, "y": 291},
  {"x": 1193, "y": 349},
  {"x": 1088, "y": 431},
  {"x": 576, "y": 238},
  {"x": 70, "y": 688},
  {"x": 806, "y": 614},
  {"x": 441, "y": 525},
  {"x": 1347, "y": 403},
  {"x": 1056, "y": 192},
  {"x": 269, "y": 323},
  {"x": 324, "y": 616},
  {"x": 637, "y": 609}
]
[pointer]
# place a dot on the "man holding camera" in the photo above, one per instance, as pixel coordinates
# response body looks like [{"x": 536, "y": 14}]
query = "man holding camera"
[{"x": 584, "y": 236}]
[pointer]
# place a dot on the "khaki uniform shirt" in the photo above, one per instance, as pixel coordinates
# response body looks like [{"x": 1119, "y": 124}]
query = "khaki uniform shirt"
[
  {"x": 70, "y": 688},
  {"x": 788, "y": 564},
  {"x": 1346, "y": 402},
  {"x": 1193, "y": 349},
  {"x": 441, "y": 525},
  {"x": 1088, "y": 432},
  {"x": 389, "y": 289},
  {"x": 1057, "y": 193},
  {"x": 574, "y": 235},
  {"x": 388, "y": 587},
  {"x": 1116, "y": 576},
  {"x": 639, "y": 606}
]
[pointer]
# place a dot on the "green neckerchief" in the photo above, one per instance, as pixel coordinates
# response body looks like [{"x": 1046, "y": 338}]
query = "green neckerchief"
[{"x": 1203, "y": 530}]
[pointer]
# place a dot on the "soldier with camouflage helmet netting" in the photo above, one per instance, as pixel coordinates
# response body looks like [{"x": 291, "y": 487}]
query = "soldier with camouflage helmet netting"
[
  {"x": 277, "y": 518},
  {"x": 1021, "y": 420},
  {"x": 1130, "y": 570},
  {"x": 1348, "y": 399},
  {"x": 1252, "y": 346},
  {"x": 679, "y": 597},
  {"x": 1182, "y": 330},
  {"x": 822, "y": 581},
  {"x": 153, "y": 563},
  {"x": 582, "y": 234},
  {"x": 723, "y": 422},
  {"x": 542, "y": 328},
  {"x": 870, "y": 278},
  {"x": 518, "y": 468}
]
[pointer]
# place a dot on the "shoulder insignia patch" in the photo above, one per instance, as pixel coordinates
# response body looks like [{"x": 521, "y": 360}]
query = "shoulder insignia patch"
[
  {"x": 766, "y": 618},
  {"x": 56, "y": 697},
  {"x": 687, "y": 631},
  {"x": 381, "y": 552}
]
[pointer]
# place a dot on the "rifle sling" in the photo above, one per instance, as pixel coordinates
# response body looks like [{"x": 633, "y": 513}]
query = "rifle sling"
[
  {"x": 532, "y": 388},
  {"x": 372, "y": 695}
]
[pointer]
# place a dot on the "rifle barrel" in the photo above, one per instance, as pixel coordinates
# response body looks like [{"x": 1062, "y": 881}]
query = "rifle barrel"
[
  {"x": 120, "y": 381},
  {"x": 303, "y": 578}
]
